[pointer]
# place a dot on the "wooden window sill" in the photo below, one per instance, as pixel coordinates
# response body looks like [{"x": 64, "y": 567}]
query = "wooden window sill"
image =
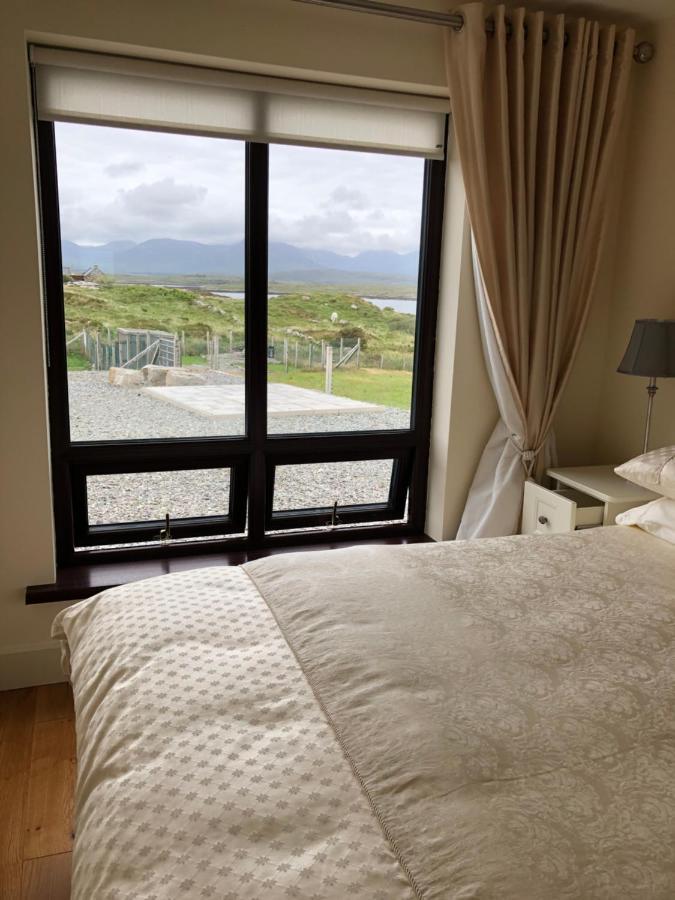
[{"x": 78, "y": 582}]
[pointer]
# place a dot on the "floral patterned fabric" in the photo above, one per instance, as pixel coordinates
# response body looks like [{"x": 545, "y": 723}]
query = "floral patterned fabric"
[
  {"x": 481, "y": 720},
  {"x": 206, "y": 769},
  {"x": 508, "y": 704}
]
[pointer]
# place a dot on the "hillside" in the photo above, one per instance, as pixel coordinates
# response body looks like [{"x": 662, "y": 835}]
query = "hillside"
[
  {"x": 112, "y": 306},
  {"x": 161, "y": 256}
]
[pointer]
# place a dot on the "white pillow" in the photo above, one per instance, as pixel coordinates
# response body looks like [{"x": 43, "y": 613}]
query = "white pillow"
[
  {"x": 654, "y": 470},
  {"x": 657, "y": 517}
]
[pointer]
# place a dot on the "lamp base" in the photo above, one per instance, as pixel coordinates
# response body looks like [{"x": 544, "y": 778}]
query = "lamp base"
[{"x": 651, "y": 392}]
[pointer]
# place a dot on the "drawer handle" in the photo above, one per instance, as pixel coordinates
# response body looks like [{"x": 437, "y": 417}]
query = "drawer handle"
[{"x": 542, "y": 520}]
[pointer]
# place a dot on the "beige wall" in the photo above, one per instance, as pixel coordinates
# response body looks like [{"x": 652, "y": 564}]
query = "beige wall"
[
  {"x": 601, "y": 418},
  {"x": 293, "y": 39},
  {"x": 464, "y": 408},
  {"x": 644, "y": 263}
]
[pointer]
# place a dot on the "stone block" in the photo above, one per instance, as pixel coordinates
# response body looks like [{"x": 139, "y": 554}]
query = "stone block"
[
  {"x": 154, "y": 375},
  {"x": 177, "y": 377},
  {"x": 124, "y": 377}
]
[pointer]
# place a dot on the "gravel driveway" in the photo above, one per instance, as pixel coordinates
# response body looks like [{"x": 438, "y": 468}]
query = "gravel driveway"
[{"x": 100, "y": 411}]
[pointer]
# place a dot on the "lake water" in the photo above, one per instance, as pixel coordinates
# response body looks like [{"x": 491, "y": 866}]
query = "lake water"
[{"x": 397, "y": 304}]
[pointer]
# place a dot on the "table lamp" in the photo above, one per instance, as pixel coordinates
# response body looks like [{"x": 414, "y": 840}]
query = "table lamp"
[{"x": 651, "y": 354}]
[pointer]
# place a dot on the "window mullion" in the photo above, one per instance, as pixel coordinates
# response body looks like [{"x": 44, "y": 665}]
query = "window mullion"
[{"x": 257, "y": 192}]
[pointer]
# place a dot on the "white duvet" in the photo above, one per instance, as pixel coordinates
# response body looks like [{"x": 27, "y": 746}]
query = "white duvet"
[
  {"x": 487, "y": 720},
  {"x": 206, "y": 769}
]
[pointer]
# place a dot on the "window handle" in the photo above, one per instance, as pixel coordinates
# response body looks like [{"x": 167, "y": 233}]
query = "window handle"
[
  {"x": 165, "y": 533},
  {"x": 334, "y": 518}
]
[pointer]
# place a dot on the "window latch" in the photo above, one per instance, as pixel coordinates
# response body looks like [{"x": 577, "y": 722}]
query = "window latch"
[{"x": 165, "y": 533}]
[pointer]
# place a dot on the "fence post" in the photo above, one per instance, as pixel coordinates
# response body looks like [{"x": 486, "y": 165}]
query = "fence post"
[
  {"x": 358, "y": 352},
  {"x": 231, "y": 342},
  {"x": 323, "y": 353},
  {"x": 286, "y": 354},
  {"x": 296, "y": 354},
  {"x": 98, "y": 352},
  {"x": 329, "y": 369},
  {"x": 382, "y": 360},
  {"x": 311, "y": 344}
]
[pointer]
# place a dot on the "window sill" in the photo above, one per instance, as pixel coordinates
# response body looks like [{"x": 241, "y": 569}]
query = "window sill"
[{"x": 82, "y": 581}]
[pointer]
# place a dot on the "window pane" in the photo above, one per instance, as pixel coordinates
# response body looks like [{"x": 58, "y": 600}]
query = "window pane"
[
  {"x": 152, "y": 229},
  {"x": 318, "y": 485},
  {"x": 343, "y": 265},
  {"x": 149, "y": 496}
]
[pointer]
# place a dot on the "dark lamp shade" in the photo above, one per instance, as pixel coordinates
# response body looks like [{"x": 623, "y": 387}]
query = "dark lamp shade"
[{"x": 651, "y": 349}]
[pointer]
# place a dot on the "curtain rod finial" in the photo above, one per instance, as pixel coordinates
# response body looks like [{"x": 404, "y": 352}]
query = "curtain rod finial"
[{"x": 643, "y": 52}]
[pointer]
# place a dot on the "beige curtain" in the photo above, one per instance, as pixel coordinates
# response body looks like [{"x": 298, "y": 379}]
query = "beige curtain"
[{"x": 536, "y": 109}]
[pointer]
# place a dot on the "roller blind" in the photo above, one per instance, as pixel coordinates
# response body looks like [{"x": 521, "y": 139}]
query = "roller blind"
[{"x": 96, "y": 88}]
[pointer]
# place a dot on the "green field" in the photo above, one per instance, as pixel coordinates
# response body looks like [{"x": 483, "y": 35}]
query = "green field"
[
  {"x": 193, "y": 314},
  {"x": 205, "y": 283},
  {"x": 389, "y": 388},
  {"x": 77, "y": 362},
  {"x": 301, "y": 318}
]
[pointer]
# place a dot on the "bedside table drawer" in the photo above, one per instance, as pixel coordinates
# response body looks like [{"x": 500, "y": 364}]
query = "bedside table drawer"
[{"x": 552, "y": 512}]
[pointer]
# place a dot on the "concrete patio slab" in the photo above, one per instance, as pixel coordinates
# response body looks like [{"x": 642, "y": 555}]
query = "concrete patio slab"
[{"x": 224, "y": 401}]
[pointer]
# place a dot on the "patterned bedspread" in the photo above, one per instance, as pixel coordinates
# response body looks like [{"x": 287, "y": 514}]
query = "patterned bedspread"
[
  {"x": 206, "y": 768},
  {"x": 490, "y": 719}
]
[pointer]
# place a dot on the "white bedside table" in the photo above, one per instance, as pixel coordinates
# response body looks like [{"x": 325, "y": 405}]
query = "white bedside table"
[{"x": 583, "y": 497}]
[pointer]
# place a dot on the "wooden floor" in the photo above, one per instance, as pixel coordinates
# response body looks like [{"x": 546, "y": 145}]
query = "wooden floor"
[{"x": 37, "y": 776}]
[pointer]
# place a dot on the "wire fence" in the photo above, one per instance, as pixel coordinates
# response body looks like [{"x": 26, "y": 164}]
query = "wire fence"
[
  {"x": 125, "y": 348},
  {"x": 135, "y": 348},
  {"x": 301, "y": 353}
]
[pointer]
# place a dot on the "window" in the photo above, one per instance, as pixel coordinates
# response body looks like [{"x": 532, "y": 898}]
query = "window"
[
  {"x": 152, "y": 240},
  {"x": 241, "y": 303},
  {"x": 348, "y": 338}
]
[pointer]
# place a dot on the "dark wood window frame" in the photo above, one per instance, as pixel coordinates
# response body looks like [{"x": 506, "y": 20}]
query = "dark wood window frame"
[
  {"x": 253, "y": 457},
  {"x": 392, "y": 508}
]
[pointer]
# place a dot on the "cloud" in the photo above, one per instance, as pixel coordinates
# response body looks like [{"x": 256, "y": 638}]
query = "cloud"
[
  {"x": 161, "y": 197},
  {"x": 124, "y": 168},
  {"x": 345, "y": 196},
  {"x": 124, "y": 184}
]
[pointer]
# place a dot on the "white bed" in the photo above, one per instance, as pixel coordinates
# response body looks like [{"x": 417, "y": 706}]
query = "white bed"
[{"x": 484, "y": 719}]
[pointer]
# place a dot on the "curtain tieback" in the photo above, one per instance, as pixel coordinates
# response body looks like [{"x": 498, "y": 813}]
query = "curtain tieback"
[{"x": 527, "y": 456}]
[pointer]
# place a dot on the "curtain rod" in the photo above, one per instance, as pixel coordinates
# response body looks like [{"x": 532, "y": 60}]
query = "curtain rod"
[{"x": 642, "y": 53}]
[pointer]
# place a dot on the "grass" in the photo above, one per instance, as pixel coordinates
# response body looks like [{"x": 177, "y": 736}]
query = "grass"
[
  {"x": 77, "y": 362},
  {"x": 390, "y": 288},
  {"x": 317, "y": 315},
  {"x": 387, "y": 387},
  {"x": 296, "y": 316}
]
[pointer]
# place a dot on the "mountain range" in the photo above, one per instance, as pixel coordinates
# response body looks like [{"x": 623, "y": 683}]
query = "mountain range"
[{"x": 163, "y": 256}]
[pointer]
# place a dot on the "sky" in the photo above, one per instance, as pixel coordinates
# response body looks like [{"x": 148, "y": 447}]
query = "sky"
[{"x": 121, "y": 184}]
